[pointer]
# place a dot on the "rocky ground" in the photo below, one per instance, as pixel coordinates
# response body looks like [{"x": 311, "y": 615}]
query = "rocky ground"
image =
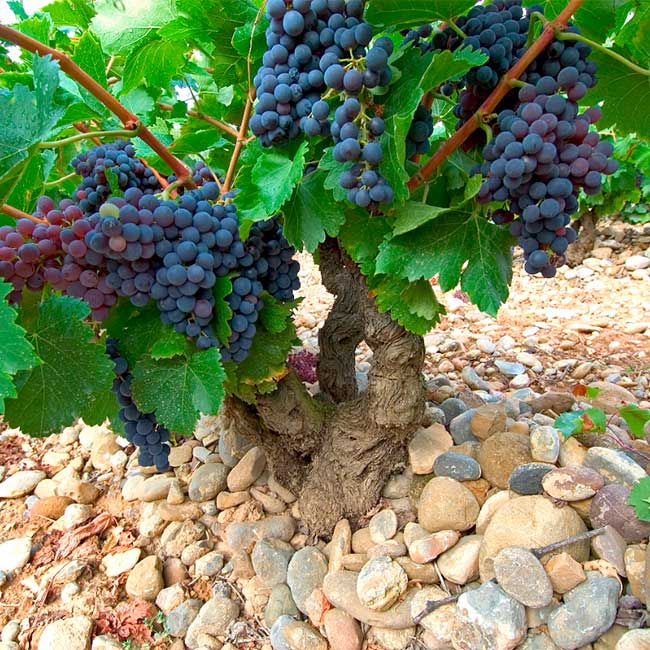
[{"x": 96, "y": 552}]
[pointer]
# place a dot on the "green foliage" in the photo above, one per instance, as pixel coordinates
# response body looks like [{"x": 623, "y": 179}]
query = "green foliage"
[
  {"x": 16, "y": 352},
  {"x": 180, "y": 388},
  {"x": 398, "y": 15},
  {"x": 635, "y": 418},
  {"x": 73, "y": 367},
  {"x": 276, "y": 335},
  {"x": 26, "y": 117},
  {"x": 639, "y": 498},
  {"x": 165, "y": 59},
  {"x": 591, "y": 420}
]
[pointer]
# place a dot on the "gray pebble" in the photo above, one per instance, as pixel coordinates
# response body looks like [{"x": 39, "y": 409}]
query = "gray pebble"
[{"x": 457, "y": 466}]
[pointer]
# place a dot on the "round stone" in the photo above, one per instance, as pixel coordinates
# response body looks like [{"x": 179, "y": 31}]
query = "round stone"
[
  {"x": 527, "y": 479},
  {"x": 380, "y": 583},
  {"x": 572, "y": 483},
  {"x": 500, "y": 454},
  {"x": 383, "y": 526},
  {"x": 530, "y": 522},
  {"x": 457, "y": 466},
  {"x": 446, "y": 504},
  {"x": 545, "y": 444},
  {"x": 610, "y": 507},
  {"x": 521, "y": 575}
]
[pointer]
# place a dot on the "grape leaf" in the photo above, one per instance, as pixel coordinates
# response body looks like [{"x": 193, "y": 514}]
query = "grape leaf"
[
  {"x": 75, "y": 13},
  {"x": 275, "y": 314},
  {"x": 400, "y": 14},
  {"x": 222, "y": 288},
  {"x": 157, "y": 62},
  {"x": 137, "y": 329},
  {"x": 169, "y": 344},
  {"x": 595, "y": 18},
  {"x": 89, "y": 56},
  {"x": 334, "y": 170},
  {"x": 361, "y": 236},
  {"x": 459, "y": 246},
  {"x": 591, "y": 420},
  {"x": 412, "y": 304},
  {"x": 635, "y": 34},
  {"x": 639, "y": 498},
  {"x": 178, "y": 390},
  {"x": 312, "y": 214},
  {"x": 636, "y": 418},
  {"x": 74, "y": 368},
  {"x": 26, "y": 117},
  {"x": 446, "y": 65},
  {"x": 124, "y": 26},
  {"x": 569, "y": 423},
  {"x": 275, "y": 176},
  {"x": 16, "y": 352},
  {"x": 621, "y": 91},
  {"x": 400, "y": 106}
]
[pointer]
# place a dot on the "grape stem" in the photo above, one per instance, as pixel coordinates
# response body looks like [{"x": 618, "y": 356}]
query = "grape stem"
[
  {"x": 19, "y": 214},
  {"x": 82, "y": 128},
  {"x": 452, "y": 25},
  {"x": 566, "y": 36},
  {"x": 58, "y": 181},
  {"x": 248, "y": 109},
  {"x": 230, "y": 130},
  {"x": 503, "y": 88},
  {"x": 115, "y": 133},
  {"x": 75, "y": 72}
]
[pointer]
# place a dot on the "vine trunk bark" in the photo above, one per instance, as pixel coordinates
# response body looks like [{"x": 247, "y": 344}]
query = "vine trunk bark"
[
  {"x": 584, "y": 244},
  {"x": 336, "y": 450}
]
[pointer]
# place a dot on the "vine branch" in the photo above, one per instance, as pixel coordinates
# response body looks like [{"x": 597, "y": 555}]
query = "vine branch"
[
  {"x": 248, "y": 108},
  {"x": 489, "y": 105},
  {"x": 19, "y": 214},
  {"x": 75, "y": 72}
]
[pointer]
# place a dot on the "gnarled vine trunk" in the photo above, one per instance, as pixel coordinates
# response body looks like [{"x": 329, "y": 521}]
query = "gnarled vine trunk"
[
  {"x": 584, "y": 244},
  {"x": 337, "y": 449}
]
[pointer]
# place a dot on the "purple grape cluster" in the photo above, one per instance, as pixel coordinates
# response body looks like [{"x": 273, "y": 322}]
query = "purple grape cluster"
[
  {"x": 543, "y": 155},
  {"x": 103, "y": 166},
  {"x": 141, "y": 429},
  {"x": 319, "y": 45}
]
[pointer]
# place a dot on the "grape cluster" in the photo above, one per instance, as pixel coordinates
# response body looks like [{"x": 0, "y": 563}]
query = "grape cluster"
[
  {"x": 421, "y": 129},
  {"x": 319, "y": 45},
  {"x": 141, "y": 429},
  {"x": 542, "y": 157},
  {"x": 104, "y": 166},
  {"x": 279, "y": 274}
]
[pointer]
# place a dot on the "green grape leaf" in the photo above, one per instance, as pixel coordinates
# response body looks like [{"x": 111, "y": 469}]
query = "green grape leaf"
[
  {"x": 460, "y": 246},
  {"x": 569, "y": 423},
  {"x": 16, "y": 352},
  {"x": 30, "y": 185},
  {"x": 361, "y": 236},
  {"x": 400, "y": 14},
  {"x": 102, "y": 406},
  {"x": 593, "y": 392},
  {"x": 157, "y": 62},
  {"x": 26, "y": 117},
  {"x": 636, "y": 418},
  {"x": 178, "y": 390},
  {"x": 412, "y": 304},
  {"x": 169, "y": 344},
  {"x": 124, "y": 26},
  {"x": 88, "y": 55},
  {"x": 594, "y": 420},
  {"x": 275, "y": 176},
  {"x": 223, "y": 313},
  {"x": 312, "y": 214},
  {"x": 621, "y": 91},
  {"x": 334, "y": 170},
  {"x": 446, "y": 65},
  {"x": 275, "y": 314},
  {"x": 38, "y": 27},
  {"x": 635, "y": 34},
  {"x": 74, "y": 368},
  {"x": 265, "y": 364},
  {"x": 595, "y": 18},
  {"x": 400, "y": 106},
  {"x": 136, "y": 329},
  {"x": 639, "y": 498},
  {"x": 74, "y": 13}
]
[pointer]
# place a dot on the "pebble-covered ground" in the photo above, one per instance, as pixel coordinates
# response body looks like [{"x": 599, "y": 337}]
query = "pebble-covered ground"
[{"x": 97, "y": 553}]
